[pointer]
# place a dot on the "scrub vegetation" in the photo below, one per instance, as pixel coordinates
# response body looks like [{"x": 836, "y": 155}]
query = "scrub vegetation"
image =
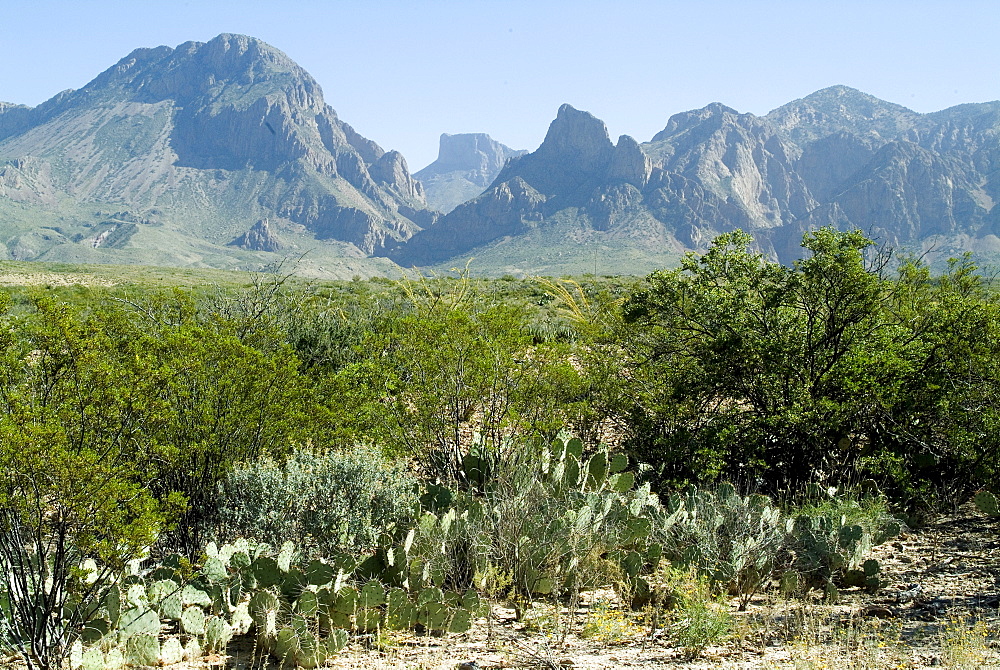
[{"x": 311, "y": 466}]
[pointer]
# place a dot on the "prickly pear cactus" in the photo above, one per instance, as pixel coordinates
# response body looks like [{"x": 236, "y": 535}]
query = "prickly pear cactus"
[{"x": 987, "y": 503}]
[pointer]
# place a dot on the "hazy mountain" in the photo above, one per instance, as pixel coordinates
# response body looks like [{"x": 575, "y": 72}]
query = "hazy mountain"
[
  {"x": 837, "y": 157},
  {"x": 574, "y": 203},
  {"x": 171, "y": 154},
  {"x": 466, "y": 165},
  {"x": 225, "y": 154}
]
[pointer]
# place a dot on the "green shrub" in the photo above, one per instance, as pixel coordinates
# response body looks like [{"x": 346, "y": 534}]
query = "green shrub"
[
  {"x": 325, "y": 502},
  {"x": 733, "y": 541}
]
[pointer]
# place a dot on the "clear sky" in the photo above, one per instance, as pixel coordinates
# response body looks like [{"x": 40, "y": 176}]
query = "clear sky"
[{"x": 403, "y": 72}]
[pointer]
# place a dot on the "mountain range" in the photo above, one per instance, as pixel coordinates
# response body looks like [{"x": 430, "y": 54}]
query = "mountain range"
[
  {"x": 837, "y": 157},
  {"x": 225, "y": 154}
]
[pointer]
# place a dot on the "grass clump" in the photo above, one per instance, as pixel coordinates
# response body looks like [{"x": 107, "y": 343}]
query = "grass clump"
[{"x": 696, "y": 618}]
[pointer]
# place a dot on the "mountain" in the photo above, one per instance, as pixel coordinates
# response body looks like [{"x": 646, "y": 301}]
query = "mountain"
[
  {"x": 174, "y": 153},
  {"x": 225, "y": 154},
  {"x": 837, "y": 157},
  {"x": 466, "y": 165}
]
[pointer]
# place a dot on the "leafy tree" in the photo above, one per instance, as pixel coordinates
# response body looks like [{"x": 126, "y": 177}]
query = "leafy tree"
[
  {"x": 456, "y": 364},
  {"x": 75, "y": 453},
  {"x": 826, "y": 370},
  {"x": 226, "y": 391}
]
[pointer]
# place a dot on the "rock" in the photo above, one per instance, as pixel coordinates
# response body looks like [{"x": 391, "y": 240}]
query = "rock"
[
  {"x": 827, "y": 165},
  {"x": 579, "y": 138},
  {"x": 466, "y": 164},
  {"x": 907, "y": 193},
  {"x": 838, "y": 157},
  {"x": 13, "y": 119},
  {"x": 877, "y": 611},
  {"x": 740, "y": 158},
  {"x": 260, "y": 237},
  {"x": 629, "y": 164},
  {"x": 390, "y": 171}
]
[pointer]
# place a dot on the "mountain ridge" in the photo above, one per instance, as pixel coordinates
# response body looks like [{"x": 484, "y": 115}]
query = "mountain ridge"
[
  {"x": 226, "y": 154},
  {"x": 835, "y": 157},
  {"x": 215, "y": 136}
]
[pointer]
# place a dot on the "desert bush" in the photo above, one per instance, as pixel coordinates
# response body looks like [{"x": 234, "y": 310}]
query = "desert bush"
[
  {"x": 734, "y": 541},
  {"x": 326, "y": 502},
  {"x": 829, "y": 370}
]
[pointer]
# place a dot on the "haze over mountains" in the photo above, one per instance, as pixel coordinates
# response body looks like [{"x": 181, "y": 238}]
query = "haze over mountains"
[
  {"x": 466, "y": 165},
  {"x": 225, "y": 154}
]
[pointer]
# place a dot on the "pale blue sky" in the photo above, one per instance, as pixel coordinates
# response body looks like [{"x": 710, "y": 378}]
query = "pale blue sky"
[{"x": 403, "y": 72}]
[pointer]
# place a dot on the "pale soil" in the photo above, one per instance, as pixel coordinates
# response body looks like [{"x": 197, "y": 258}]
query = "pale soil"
[{"x": 51, "y": 279}]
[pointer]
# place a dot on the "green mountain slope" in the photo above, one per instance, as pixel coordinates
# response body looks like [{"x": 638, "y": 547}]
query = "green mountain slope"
[{"x": 179, "y": 152}]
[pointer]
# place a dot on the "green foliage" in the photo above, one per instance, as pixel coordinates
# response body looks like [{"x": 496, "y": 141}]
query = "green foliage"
[
  {"x": 456, "y": 362},
  {"x": 733, "y": 541},
  {"x": 830, "y": 538},
  {"x": 326, "y": 502},
  {"x": 74, "y": 458},
  {"x": 553, "y": 522},
  {"x": 824, "y": 371},
  {"x": 300, "y": 613}
]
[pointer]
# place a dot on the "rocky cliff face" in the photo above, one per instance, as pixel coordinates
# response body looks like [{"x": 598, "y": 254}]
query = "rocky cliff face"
[
  {"x": 231, "y": 129},
  {"x": 740, "y": 158},
  {"x": 466, "y": 164},
  {"x": 573, "y": 167},
  {"x": 260, "y": 237},
  {"x": 837, "y": 157}
]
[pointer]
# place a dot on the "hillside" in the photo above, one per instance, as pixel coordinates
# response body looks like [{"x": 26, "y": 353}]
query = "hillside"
[
  {"x": 172, "y": 155},
  {"x": 837, "y": 157}
]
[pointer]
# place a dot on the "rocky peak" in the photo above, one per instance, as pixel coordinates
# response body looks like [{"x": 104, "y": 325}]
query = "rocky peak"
[
  {"x": 572, "y": 160},
  {"x": 390, "y": 171},
  {"x": 841, "y": 108},
  {"x": 629, "y": 163},
  {"x": 740, "y": 158},
  {"x": 579, "y": 139},
  {"x": 708, "y": 118},
  {"x": 233, "y": 70},
  {"x": 260, "y": 237},
  {"x": 233, "y": 112},
  {"x": 476, "y": 153},
  {"x": 466, "y": 164}
]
